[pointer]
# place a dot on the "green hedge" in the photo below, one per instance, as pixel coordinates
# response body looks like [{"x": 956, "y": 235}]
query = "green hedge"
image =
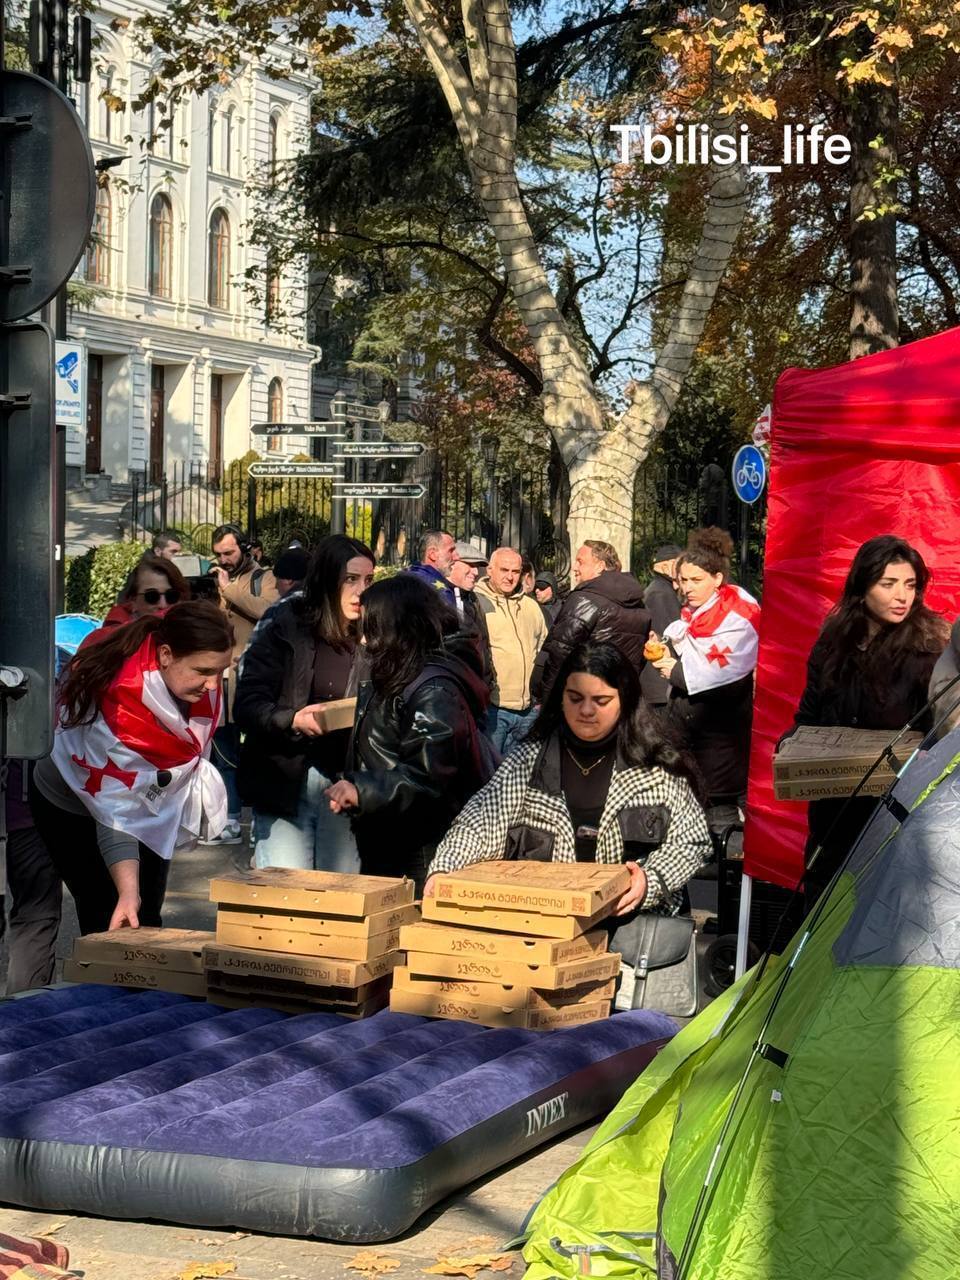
[{"x": 95, "y": 579}]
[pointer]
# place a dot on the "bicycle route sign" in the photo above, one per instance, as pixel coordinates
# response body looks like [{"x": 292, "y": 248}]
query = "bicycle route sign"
[{"x": 749, "y": 473}]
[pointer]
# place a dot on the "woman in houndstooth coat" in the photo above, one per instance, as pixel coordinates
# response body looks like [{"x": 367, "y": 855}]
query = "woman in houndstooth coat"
[{"x": 596, "y": 780}]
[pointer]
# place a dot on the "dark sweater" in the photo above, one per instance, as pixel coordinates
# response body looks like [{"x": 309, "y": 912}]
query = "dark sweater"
[{"x": 586, "y": 794}]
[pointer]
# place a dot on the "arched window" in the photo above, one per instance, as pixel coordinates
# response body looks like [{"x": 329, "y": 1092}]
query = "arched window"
[
  {"x": 160, "y": 128},
  {"x": 218, "y": 283},
  {"x": 275, "y": 400},
  {"x": 227, "y": 140},
  {"x": 106, "y": 118},
  {"x": 274, "y": 145},
  {"x": 272, "y": 310},
  {"x": 98, "y": 257},
  {"x": 161, "y": 247},
  {"x": 275, "y": 412}
]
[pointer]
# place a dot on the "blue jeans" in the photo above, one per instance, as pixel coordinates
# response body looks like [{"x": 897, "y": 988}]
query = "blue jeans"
[
  {"x": 505, "y": 728},
  {"x": 315, "y": 840},
  {"x": 225, "y": 754}
]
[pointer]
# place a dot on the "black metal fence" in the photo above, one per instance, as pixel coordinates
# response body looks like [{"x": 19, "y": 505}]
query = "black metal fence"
[{"x": 465, "y": 492}]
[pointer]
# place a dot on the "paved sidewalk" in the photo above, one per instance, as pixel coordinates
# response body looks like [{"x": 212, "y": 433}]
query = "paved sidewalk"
[{"x": 91, "y": 521}]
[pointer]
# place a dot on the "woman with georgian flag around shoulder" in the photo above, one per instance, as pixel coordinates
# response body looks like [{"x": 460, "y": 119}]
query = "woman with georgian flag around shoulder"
[
  {"x": 129, "y": 780},
  {"x": 710, "y": 660}
]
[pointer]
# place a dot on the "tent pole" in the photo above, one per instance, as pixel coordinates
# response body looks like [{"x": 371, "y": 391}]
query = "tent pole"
[{"x": 743, "y": 928}]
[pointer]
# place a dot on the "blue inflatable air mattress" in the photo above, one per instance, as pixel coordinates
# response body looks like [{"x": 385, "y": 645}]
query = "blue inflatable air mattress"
[{"x": 149, "y": 1105}]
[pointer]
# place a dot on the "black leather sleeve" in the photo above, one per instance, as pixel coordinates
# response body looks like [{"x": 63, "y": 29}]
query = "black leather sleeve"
[
  {"x": 435, "y": 736},
  {"x": 257, "y": 704},
  {"x": 573, "y": 626}
]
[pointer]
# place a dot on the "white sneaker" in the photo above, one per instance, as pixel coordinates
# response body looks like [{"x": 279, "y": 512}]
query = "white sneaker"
[{"x": 231, "y": 834}]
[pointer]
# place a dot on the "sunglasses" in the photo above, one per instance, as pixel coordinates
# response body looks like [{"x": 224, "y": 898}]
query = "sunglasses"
[{"x": 153, "y": 596}]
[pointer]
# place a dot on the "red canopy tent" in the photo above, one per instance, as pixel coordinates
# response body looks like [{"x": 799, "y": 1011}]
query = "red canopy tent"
[{"x": 861, "y": 449}]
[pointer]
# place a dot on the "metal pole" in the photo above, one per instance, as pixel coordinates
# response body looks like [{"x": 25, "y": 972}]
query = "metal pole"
[{"x": 745, "y": 545}]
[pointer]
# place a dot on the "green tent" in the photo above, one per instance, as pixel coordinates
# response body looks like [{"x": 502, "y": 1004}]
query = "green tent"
[{"x": 806, "y": 1126}]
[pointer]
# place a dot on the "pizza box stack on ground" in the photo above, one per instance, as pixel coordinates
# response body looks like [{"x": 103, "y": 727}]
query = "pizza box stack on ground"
[
  {"x": 306, "y": 941},
  {"x": 157, "y": 959},
  {"x": 818, "y": 763},
  {"x": 513, "y": 944}
]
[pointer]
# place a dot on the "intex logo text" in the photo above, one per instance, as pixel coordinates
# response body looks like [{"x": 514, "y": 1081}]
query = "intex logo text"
[{"x": 548, "y": 1113}]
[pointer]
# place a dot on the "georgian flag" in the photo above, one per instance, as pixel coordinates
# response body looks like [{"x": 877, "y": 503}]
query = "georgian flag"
[
  {"x": 140, "y": 767},
  {"x": 717, "y": 643}
]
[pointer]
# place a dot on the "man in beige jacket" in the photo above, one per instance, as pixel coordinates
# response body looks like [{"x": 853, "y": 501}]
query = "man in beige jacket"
[{"x": 516, "y": 627}]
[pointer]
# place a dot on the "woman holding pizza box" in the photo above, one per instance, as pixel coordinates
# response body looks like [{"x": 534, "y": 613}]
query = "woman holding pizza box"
[
  {"x": 869, "y": 669},
  {"x": 597, "y": 780},
  {"x": 302, "y": 656}
]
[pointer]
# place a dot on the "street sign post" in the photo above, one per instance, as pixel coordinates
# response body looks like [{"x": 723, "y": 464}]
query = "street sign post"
[
  {"x": 749, "y": 474},
  {"x": 345, "y": 489},
  {"x": 355, "y": 411},
  {"x": 296, "y": 470},
  {"x": 378, "y": 448},
  {"x": 332, "y": 430}
]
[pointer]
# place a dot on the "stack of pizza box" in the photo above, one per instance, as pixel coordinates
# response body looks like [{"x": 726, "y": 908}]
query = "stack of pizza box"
[
  {"x": 306, "y": 941},
  {"x": 155, "y": 959},
  {"x": 513, "y": 944}
]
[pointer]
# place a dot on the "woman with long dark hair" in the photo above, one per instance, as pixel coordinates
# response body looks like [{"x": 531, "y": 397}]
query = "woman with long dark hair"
[
  {"x": 417, "y": 753},
  {"x": 869, "y": 669},
  {"x": 709, "y": 663},
  {"x": 597, "y": 780},
  {"x": 302, "y": 656},
  {"x": 129, "y": 780},
  {"x": 152, "y": 587}
]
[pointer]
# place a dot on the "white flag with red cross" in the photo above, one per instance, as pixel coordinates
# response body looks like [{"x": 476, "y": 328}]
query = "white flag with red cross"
[
  {"x": 141, "y": 765},
  {"x": 717, "y": 643}
]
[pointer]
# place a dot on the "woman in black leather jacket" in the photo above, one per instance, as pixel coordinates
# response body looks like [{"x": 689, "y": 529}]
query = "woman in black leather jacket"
[{"x": 417, "y": 753}]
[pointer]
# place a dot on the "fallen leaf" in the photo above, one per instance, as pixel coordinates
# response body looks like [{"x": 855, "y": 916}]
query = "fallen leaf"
[
  {"x": 469, "y": 1265},
  {"x": 54, "y": 1226},
  {"x": 372, "y": 1263},
  {"x": 205, "y": 1270}
]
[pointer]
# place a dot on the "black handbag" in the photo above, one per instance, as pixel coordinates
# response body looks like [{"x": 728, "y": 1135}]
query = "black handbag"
[{"x": 658, "y": 964}]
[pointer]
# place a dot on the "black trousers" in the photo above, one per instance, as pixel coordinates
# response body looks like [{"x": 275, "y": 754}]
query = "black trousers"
[
  {"x": 71, "y": 840},
  {"x": 35, "y": 893}
]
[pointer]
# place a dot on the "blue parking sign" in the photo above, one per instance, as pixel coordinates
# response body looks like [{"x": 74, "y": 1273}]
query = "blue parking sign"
[{"x": 749, "y": 473}]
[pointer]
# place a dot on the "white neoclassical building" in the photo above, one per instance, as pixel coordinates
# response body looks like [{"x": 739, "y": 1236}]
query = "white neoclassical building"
[{"x": 181, "y": 359}]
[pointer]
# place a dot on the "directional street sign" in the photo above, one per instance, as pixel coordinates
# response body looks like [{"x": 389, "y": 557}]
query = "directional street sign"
[
  {"x": 354, "y": 410},
  {"x": 379, "y": 448},
  {"x": 349, "y": 490},
  {"x": 300, "y": 470},
  {"x": 332, "y": 430}
]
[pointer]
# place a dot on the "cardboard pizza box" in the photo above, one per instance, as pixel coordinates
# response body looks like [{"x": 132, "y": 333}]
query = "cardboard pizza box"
[
  {"x": 548, "y": 888},
  {"x": 482, "y": 944},
  {"x": 284, "y": 1004},
  {"x": 180, "y": 950},
  {"x": 831, "y": 788},
  {"x": 306, "y": 992},
  {"x": 329, "y": 926},
  {"x": 440, "y": 911},
  {"x": 505, "y": 997},
  {"x": 819, "y": 752},
  {"x": 296, "y": 942},
  {"x": 544, "y": 977},
  {"x": 135, "y": 975},
  {"x": 337, "y": 714},
  {"x": 296, "y": 968},
  {"x": 320, "y": 892},
  {"x": 460, "y": 1009}
]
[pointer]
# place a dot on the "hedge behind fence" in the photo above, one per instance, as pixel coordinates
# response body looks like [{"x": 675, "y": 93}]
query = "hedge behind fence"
[{"x": 95, "y": 579}]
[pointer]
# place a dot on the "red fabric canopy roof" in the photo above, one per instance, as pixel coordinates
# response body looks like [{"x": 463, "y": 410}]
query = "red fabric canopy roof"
[{"x": 864, "y": 448}]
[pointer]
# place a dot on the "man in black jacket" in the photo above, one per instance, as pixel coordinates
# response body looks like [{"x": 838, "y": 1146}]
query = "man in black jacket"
[
  {"x": 606, "y": 605},
  {"x": 661, "y": 601}
]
